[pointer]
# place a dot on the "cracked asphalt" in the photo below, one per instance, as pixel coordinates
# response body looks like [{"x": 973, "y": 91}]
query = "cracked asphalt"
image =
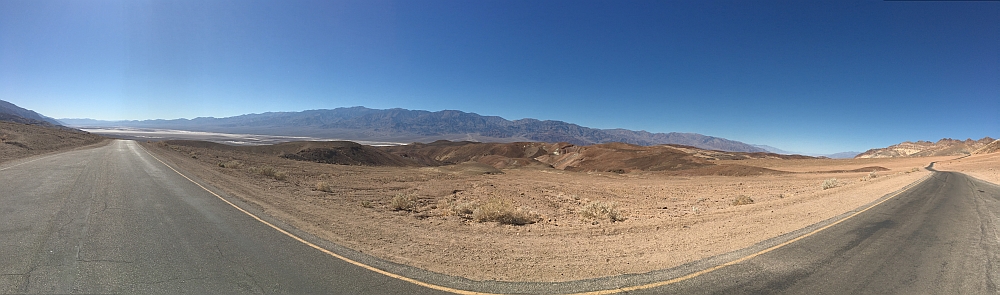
[{"x": 115, "y": 220}]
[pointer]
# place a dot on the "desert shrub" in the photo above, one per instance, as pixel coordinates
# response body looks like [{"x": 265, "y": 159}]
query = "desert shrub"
[
  {"x": 465, "y": 209},
  {"x": 742, "y": 200},
  {"x": 269, "y": 172},
  {"x": 367, "y": 204},
  {"x": 503, "y": 213},
  {"x": 602, "y": 211},
  {"x": 403, "y": 202},
  {"x": 830, "y": 183},
  {"x": 915, "y": 169},
  {"x": 323, "y": 186},
  {"x": 231, "y": 164},
  {"x": 449, "y": 207},
  {"x": 266, "y": 171},
  {"x": 280, "y": 175}
]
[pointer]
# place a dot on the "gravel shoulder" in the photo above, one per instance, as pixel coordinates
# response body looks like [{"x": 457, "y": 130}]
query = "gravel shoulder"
[{"x": 668, "y": 220}]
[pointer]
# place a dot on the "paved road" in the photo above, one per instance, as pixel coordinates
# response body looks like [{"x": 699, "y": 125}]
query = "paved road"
[
  {"x": 115, "y": 220},
  {"x": 940, "y": 237}
]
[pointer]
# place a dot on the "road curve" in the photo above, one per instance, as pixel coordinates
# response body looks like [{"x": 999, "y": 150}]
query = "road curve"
[
  {"x": 940, "y": 237},
  {"x": 115, "y": 220}
]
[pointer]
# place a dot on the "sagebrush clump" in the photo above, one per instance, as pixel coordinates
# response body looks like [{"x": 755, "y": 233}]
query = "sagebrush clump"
[
  {"x": 323, "y": 186},
  {"x": 269, "y": 172},
  {"x": 830, "y": 183},
  {"x": 742, "y": 200},
  {"x": 602, "y": 211},
  {"x": 234, "y": 164},
  {"x": 403, "y": 202},
  {"x": 504, "y": 213}
]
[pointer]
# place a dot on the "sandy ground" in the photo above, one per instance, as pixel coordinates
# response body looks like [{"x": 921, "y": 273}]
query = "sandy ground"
[
  {"x": 670, "y": 220},
  {"x": 985, "y": 167}
]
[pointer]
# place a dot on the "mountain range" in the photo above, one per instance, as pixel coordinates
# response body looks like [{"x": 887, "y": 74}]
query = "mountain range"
[
  {"x": 841, "y": 155},
  {"x": 402, "y": 125}
]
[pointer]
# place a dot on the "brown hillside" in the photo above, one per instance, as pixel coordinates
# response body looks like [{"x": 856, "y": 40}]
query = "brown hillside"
[
  {"x": 620, "y": 157},
  {"x": 23, "y": 140},
  {"x": 499, "y": 155},
  {"x": 329, "y": 152}
]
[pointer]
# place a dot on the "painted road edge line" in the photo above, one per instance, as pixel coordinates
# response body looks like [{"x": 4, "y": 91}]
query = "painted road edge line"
[
  {"x": 317, "y": 247},
  {"x": 599, "y": 292},
  {"x": 751, "y": 256}
]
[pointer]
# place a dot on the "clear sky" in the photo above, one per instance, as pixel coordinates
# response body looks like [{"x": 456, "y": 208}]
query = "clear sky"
[{"x": 807, "y": 76}]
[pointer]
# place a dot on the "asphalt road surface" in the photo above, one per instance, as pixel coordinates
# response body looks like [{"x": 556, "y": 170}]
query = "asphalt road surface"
[
  {"x": 940, "y": 237},
  {"x": 115, "y": 220}
]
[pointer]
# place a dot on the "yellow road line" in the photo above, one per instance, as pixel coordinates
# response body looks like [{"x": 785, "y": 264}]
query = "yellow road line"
[{"x": 599, "y": 292}]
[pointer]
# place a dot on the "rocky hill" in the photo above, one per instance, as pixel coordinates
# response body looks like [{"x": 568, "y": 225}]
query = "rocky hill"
[
  {"x": 943, "y": 147},
  {"x": 12, "y": 113},
  {"x": 401, "y": 125},
  {"x": 25, "y": 133},
  {"x": 989, "y": 148}
]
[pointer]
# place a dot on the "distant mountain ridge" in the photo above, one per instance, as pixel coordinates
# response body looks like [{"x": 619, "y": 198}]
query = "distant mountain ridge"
[
  {"x": 402, "y": 125},
  {"x": 840, "y": 155},
  {"x": 943, "y": 147}
]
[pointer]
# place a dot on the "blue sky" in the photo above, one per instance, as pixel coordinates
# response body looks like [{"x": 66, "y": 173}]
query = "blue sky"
[{"x": 807, "y": 76}]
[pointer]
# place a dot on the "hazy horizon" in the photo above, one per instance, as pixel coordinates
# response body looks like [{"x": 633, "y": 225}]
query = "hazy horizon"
[{"x": 811, "y": 77}]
